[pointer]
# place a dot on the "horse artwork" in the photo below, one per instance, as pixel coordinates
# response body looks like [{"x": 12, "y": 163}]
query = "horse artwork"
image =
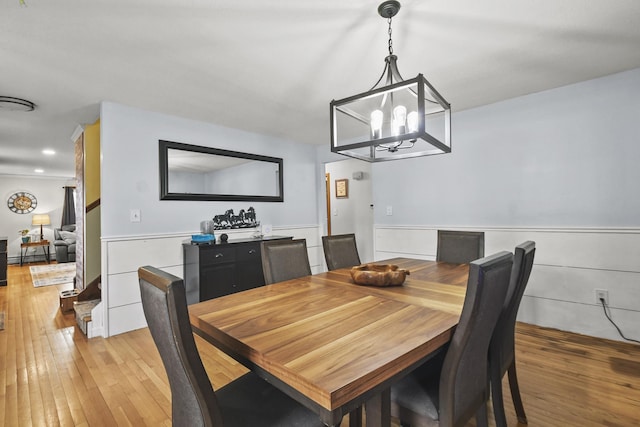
[
  {"x": 229, "y": 220},
  {"x": 251, "y": 215}
]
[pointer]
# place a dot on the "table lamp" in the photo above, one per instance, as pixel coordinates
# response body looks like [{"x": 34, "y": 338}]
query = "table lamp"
[{"x": 41, "y": 219}]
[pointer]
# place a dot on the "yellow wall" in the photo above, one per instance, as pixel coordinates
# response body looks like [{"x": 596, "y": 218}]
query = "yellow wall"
[
  {"x": 92, "y": 162},
  {"x": 92, "y": 256}
]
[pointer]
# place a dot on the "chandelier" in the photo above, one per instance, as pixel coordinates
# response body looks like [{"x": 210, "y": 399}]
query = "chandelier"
[{"x": 396, "y": 118}]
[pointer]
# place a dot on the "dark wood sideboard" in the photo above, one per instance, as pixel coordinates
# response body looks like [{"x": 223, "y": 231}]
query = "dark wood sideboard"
[
  {"x": 3, "y": 260},
  {"x": 217, "y": 269}
]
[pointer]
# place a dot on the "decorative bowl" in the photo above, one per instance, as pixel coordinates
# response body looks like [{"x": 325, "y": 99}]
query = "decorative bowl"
[{"x": 378, "y": 275}]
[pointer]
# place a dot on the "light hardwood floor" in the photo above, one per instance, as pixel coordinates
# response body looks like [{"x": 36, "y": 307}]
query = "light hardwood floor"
[{"x": 50, "y": 374}]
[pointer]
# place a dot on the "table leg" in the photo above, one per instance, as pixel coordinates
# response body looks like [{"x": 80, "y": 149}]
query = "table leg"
[
  {"x": 355, "y": 417},
  {"x": 378, "y": 410},
  {"x": 22, "y": 256},
  {"x": 47, "y": 253}
]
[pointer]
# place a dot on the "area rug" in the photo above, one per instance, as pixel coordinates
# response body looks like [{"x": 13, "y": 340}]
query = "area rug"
[{"x": 54, "y": 274}]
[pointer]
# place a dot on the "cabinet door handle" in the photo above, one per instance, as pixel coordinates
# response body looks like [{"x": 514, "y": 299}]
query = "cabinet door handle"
[
  {"x": 252, "y": 251},
  {"x": 219, "y": 255}
]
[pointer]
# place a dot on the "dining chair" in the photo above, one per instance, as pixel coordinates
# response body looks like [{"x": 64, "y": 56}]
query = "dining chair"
[
  {"x": 451, "y": 388},
  {"x": 502, "y": 356},
  {"x": 460, "y": 247},
  {"x": 340, "y": 251},
  {"x": 284, "y": 260},
  {"x": 247, "y": 401}
]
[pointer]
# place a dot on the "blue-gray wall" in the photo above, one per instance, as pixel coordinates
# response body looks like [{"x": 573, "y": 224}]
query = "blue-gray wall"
[
  {"x": 566, "y": 157},
  {"x": 130, "y": 174}
]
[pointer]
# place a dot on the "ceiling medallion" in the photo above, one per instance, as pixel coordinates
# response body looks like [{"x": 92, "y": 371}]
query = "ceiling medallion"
[
  {"x": 16, "y": 104},
  {"x": 396, "y": 118}
]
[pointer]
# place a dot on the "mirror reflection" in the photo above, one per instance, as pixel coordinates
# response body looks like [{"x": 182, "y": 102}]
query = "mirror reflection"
[{"x": 190, "y": 172}]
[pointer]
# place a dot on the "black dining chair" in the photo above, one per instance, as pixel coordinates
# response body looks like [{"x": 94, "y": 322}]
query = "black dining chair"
[
  {"x": 340, "y": 251},
  {"x": 460, "y": 247},
  {"x": 284, "y": 260},
  {"x": 502, "y": 356},
  {"x": 451, "y": 388},
  {"x": 248, "y": 401}
]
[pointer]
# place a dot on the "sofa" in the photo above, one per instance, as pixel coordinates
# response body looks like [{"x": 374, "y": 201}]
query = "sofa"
[{"x": 65, "y": 243}]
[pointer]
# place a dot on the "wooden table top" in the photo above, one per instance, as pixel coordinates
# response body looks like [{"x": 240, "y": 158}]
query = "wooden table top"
[
  {"x": 333, "y": 344},
  {"x": 39, "y": 243}
]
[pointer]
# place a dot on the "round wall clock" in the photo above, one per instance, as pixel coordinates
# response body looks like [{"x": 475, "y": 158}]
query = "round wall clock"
[{"x": 22, "y": 202}]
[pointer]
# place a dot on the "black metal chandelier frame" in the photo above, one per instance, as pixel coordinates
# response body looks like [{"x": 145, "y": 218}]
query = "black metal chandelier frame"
[{"x": 387, "y": 147}]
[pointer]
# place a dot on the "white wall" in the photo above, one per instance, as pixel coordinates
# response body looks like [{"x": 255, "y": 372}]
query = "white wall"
[
  {"x": 563, "y": 157},
  {"x": 563, "y": 161},
  {"x": 355, "y": 213},
  {"x": 50, "y": 196},
  {"x": 121, "y": 309}
]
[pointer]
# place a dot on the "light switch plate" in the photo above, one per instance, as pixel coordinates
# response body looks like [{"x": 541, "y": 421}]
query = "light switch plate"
[{"x": 134, "y": 215}]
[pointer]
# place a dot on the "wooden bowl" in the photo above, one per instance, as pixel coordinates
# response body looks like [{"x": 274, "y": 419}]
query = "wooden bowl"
[{"x": 378, "y": 275}]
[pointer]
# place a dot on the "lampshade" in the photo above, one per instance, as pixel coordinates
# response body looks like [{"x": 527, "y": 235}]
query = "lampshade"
[
  {"x": 401, "y": 119},
  {"x": 41, "y": 219}
]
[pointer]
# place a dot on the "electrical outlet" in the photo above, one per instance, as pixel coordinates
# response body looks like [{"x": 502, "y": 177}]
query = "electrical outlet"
[{"x": 602, "y": 294}]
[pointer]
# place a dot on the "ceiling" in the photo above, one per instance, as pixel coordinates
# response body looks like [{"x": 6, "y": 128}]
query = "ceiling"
[{"x": 272, "y": 67}]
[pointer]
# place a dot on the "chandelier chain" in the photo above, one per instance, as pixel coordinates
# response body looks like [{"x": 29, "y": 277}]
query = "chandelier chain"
[{"x": 390, "y": 41}]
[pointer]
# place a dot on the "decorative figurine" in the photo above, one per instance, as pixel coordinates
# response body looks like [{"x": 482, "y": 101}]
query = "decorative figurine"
[{"x": 229, "y": 220}]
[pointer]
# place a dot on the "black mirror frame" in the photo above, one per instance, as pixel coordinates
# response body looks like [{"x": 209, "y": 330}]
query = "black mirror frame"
[{"x": 164, "y": 146}]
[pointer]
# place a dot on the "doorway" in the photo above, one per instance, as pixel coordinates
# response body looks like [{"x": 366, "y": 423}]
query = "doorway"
[{"x": 351, "y": 210}]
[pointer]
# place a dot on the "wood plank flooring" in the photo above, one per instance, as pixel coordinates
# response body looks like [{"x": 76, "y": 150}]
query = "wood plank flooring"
[{"x": 51, "y": 374}]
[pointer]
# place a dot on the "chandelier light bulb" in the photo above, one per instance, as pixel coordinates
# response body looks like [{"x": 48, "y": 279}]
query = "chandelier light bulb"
[
  {"x": 412, "y": 122},
  {"x": 399, "y": 120},
  {"x": 376, "y": 124}
]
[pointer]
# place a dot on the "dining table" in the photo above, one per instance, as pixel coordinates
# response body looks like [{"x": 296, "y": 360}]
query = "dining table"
[{"x": 333, "y": 345}]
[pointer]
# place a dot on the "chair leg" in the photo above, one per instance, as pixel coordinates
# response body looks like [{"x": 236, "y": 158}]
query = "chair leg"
[
  {"x": 496, "y": 396},
  {"x": 515, "y": 393},
  {"x": 482, "y": 418}
]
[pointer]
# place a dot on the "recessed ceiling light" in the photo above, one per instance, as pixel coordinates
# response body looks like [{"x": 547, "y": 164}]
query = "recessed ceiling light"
[
  {"x": 48, "y": 152},
  {"x": 38, "y": 170},
  {"x": 16, "y": 104}
]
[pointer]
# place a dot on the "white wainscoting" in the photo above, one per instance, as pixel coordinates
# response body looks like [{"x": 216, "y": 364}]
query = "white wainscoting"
[
  {"x": 569, "y": 265},
  {"x": 121, "y": 310}
]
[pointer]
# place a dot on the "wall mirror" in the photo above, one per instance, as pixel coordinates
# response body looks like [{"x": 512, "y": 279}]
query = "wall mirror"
[{"x": 192, "y": 172}]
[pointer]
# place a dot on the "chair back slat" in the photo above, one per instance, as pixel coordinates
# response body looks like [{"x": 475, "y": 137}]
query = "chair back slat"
[
  {"x": 340, "y": 251},
  {"x": 503, "y": 341},
  {"x": 284, "y": 260},
  {"x": 193, "y": 401},
  {"x": 460, "y": 247},
  {"x": 463, "y": 381}
]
